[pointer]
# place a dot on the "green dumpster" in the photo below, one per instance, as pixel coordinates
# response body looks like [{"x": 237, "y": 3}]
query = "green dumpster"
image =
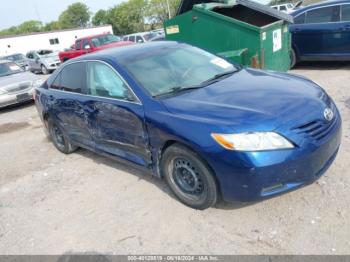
[{"x": 244, "y": 32}]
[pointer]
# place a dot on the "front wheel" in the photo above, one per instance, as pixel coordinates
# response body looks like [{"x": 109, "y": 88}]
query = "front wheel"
[
  {"x": 59, "y": 139},
  {"x": 44, "y": 70},
  {"x": 293, "y": 58},
  {"x": 189, "y": 177}
]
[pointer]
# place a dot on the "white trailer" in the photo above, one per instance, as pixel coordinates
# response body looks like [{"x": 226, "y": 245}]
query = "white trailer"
[{"x": 54, "y": 40}]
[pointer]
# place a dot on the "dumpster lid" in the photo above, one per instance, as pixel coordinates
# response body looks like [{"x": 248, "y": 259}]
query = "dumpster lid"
[
  {"x": 187, "y": 5},
  {"x": 266, "y": 10}
]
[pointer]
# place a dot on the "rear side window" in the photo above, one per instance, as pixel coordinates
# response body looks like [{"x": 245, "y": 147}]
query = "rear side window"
[
  {"x": 78, "y": 44},
  {"x": 73, "y": 78},
  {"x": 345, "y": 13},
  {"x": 132, "y": 38},
  {"x": 300, "y": 19},
  {"x": 323, "y": 15},
  {"x": 56, "y": 83}
]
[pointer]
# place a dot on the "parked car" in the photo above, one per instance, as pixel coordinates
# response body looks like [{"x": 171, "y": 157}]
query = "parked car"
[
  {"x": 321, "y": 32},
  {"x": 92, "y": 44},
  {"x": 44, "y": 61},
  {"x": 140, "y": 37},
  {"x": 158, "y": 38},
  {"x": 209, "y": 127},
  {"x": 19, "y": 59},
  {"x": 287, "y": 8},
  {"x": 16, "y": 84}
]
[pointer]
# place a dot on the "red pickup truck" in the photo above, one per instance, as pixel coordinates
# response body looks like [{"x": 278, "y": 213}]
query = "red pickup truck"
[{"x": 92, "y": 44}]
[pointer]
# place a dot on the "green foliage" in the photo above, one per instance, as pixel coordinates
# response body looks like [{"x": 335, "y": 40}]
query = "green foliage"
[
  {"x": 128, "y": 17},
  {"x": 30, "y": 26},
  {"x": 54, "y": 25},
  {"x": 76, "y": 15},
  {"x": 158, "y": 10},
  {"x": 100, "y": 18}
]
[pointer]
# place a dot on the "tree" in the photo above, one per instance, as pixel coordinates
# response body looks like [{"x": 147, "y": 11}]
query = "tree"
[
  {"x": 128, "y": 17},
  {"x": 54, "y": 25},
  {"x": 29, "y": 27},
  {"x": 100, "y": 18},
  {"x": 158, "y": 12},
  {"x": 76, "y": 15}
]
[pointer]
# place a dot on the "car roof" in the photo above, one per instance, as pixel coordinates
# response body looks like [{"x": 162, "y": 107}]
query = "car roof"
[
  {"x": 2, "y": 61},
  {"x": 321, "y": 4},
  {"x": 91, "y": 36},
  {"x": 118, "y": 53}
]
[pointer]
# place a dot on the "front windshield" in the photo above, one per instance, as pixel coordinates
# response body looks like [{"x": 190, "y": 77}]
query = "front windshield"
[
  {"x": 18, "y": 57},
  {"x": 161, "y": 70},
  {"x": 289, "y": 6},
  {"x": 44, "y": 52},
  {"x": 9, "y": 68},
  {"x": 105, "y": 39}
]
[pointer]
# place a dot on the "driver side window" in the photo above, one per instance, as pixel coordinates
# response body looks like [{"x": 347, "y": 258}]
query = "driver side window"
[{"x": 103, "y": 81}]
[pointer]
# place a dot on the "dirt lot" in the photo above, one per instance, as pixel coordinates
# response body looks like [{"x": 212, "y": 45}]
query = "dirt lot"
[{"x": 51, "y": 203}]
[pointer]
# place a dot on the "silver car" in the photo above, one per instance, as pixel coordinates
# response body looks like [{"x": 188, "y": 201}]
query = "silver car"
[
  {"x": 19, "y": 59},
  {"x": 45, "y": 61},
  {"x": 16, "y": 85}
]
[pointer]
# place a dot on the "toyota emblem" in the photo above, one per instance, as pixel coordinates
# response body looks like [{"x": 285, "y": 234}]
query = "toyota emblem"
[{"x": 328, "y": 114}]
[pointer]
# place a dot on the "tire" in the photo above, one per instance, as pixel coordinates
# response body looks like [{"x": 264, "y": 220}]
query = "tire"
[
  {"x": 44, "y": 70},
  {"x": 190, "y": 179},
  {"x": 293, "y": 58},
  {"x": 59, "y": 139}
]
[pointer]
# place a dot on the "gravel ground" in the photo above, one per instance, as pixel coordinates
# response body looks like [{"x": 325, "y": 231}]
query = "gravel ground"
[{"x": 52, "y": 203}]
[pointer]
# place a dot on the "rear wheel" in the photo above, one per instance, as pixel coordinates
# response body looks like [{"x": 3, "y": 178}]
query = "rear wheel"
[
  {"x": 59, "y": 139},
  {"x": 189, "y": 177}
]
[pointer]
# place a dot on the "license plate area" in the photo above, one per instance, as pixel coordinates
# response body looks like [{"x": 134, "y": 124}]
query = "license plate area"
[{"x": 22, "y": 97}]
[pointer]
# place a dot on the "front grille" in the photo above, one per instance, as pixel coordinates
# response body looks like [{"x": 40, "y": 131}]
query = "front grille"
[
  {"x": 18, "y": 87},
  {"x": 318, "y": 129}
]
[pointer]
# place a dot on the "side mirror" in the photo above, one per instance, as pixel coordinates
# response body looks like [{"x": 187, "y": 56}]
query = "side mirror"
[
  {"x": 140, "y": 41},
  {"x": 87, "y": 47}
]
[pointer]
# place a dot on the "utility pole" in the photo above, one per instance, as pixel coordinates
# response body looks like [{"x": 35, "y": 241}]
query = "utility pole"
[{"x": 167, "y": 1}]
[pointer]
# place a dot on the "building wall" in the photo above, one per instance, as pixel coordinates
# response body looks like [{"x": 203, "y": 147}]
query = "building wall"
[{"x": 24, "y": 43}]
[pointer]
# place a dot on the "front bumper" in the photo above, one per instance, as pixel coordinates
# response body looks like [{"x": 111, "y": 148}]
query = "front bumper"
[
  {"x": 16, "y": 98},
  {"x": 251, "y": 176},
  {"x": 53, "y": 66}
]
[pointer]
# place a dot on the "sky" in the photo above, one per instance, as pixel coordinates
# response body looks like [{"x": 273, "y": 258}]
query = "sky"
[{"x": 14, "y": 12}]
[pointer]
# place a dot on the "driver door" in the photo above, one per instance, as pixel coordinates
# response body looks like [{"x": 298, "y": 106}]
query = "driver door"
[{"x": 116, "y": 115}]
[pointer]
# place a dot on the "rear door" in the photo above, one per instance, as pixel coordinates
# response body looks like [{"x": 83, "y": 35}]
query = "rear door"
[
  {"x": 67, "y": 101},
  {"x": 117, "y": 115},
  {"x": 344, "y": 43},
  {"x": 316, "y": 31}
]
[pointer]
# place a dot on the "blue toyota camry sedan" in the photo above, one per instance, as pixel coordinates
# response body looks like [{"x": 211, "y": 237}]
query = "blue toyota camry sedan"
[{"x": 208, "y": 127}]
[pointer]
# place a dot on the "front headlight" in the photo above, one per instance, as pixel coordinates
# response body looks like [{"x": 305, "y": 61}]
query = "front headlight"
[
  {"x": 37, "y": 83},
  {"x": 255, "y": 141}
]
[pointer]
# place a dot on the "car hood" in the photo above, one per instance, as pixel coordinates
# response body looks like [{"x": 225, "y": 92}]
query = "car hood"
[
  {"x": 252, "y": 98},
  {"x": 17, "y": 79}
]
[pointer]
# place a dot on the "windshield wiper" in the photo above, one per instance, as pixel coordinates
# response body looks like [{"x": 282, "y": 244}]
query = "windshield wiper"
[
  {"x": 178, "y": 89},
  {"x": 219, "y": 76}
]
